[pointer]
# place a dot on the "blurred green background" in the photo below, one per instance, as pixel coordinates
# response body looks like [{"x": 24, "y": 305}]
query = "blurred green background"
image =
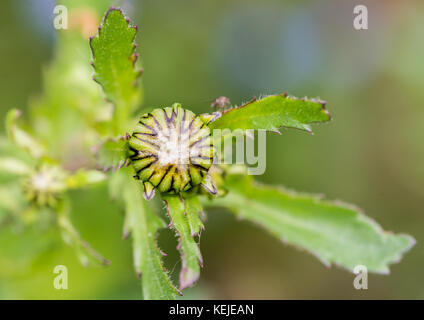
[{"x": 371, "y": 154}]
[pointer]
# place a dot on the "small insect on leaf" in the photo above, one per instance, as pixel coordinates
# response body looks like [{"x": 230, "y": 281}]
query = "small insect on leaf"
[{"x": 221, "y": 103}]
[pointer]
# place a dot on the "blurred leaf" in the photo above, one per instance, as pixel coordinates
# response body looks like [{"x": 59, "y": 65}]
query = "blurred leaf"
[
  {"x": 11, "y": 197},
  {"x": 20, "y": 247},
  {"x": 71, "y": 236},
  {"x": 113, "y": 154},
  {"x": 12, "y": 202},
  {"x": 143, "y": 225},
  {"x": 273, "y": 112},
  {"x": 84, "y": 178},
  {"x": 71, "y": 109},
  {"x": 114, "y": 62},
  {"x": 99, "y": 6},
  {"x": 20, "y": 137},
  {"x": 116, "y": 183},
  {"x": 190, "y": 253},
  {"x": 14, "y": 166},
  {"x": 333, "y": 232}
]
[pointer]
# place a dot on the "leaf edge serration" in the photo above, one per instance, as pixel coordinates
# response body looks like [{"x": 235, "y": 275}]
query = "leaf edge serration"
[{"x": 133, "y": 56}]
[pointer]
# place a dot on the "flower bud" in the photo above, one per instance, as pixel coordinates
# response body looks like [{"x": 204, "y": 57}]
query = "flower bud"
[{"x": 171, "y": 150}]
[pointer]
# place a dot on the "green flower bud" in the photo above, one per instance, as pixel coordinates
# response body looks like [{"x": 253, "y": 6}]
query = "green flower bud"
[
  {"x": 171, "y": 150},
  {"x": 45, "y": 186}
]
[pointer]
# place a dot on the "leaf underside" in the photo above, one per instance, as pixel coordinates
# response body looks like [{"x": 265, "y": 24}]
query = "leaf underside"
[
  {"x": 273, "y": 112},
  {"x": 143, "y": 225},
  {"x": 113, "y": 154},
  {"x": 190, "y": 253},
  {"x": 193, "y": 210},
  {"x": 333, "y": 232}
]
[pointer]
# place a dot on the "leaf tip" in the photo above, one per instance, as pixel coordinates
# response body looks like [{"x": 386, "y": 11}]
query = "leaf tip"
[
  {"x": 187, "y": 278},
  {"x": 327, "y": 113}
]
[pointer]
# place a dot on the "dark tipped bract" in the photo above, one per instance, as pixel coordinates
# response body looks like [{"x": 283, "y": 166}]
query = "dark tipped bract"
[{"x": 171, "y": 150}]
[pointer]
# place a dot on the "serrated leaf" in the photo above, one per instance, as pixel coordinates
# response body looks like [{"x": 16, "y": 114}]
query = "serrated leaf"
[
  {"x": 113, "y": 154},
  {"x": 193, "y": 209},
  {"x": 114, "y": 62},
  {"x": 334, "y": 232},
  {"x": 190, "y": 252},
  {"x": 143, "y": 224},
  {"x": 20, "y": 137},
  {"x": 273, "y": 112}
]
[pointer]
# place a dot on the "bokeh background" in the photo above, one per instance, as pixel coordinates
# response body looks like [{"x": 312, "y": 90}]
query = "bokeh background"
[{"x": 371, "y": 154}]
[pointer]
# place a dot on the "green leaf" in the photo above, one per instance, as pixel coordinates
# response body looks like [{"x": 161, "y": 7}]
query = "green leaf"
[
  {"x": 84, "y": 178},
  {"x": 20, "y": 137},
  {"x": 114, "y": 62},
  {"x": 70, "y": 235},
  {"x": 334, "y": 232},
  {"x": 12, "y": 201},
  {"x": 273, "y": 112},
  {"x": 144, "y": 225},
  {"x": 193, "y": 210},
  {"x": 113, "y": 154},
  {"x": 21, "y": 247},
  {"x": 14, "y": 166},
  {"x": 190, "y": 252}
]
